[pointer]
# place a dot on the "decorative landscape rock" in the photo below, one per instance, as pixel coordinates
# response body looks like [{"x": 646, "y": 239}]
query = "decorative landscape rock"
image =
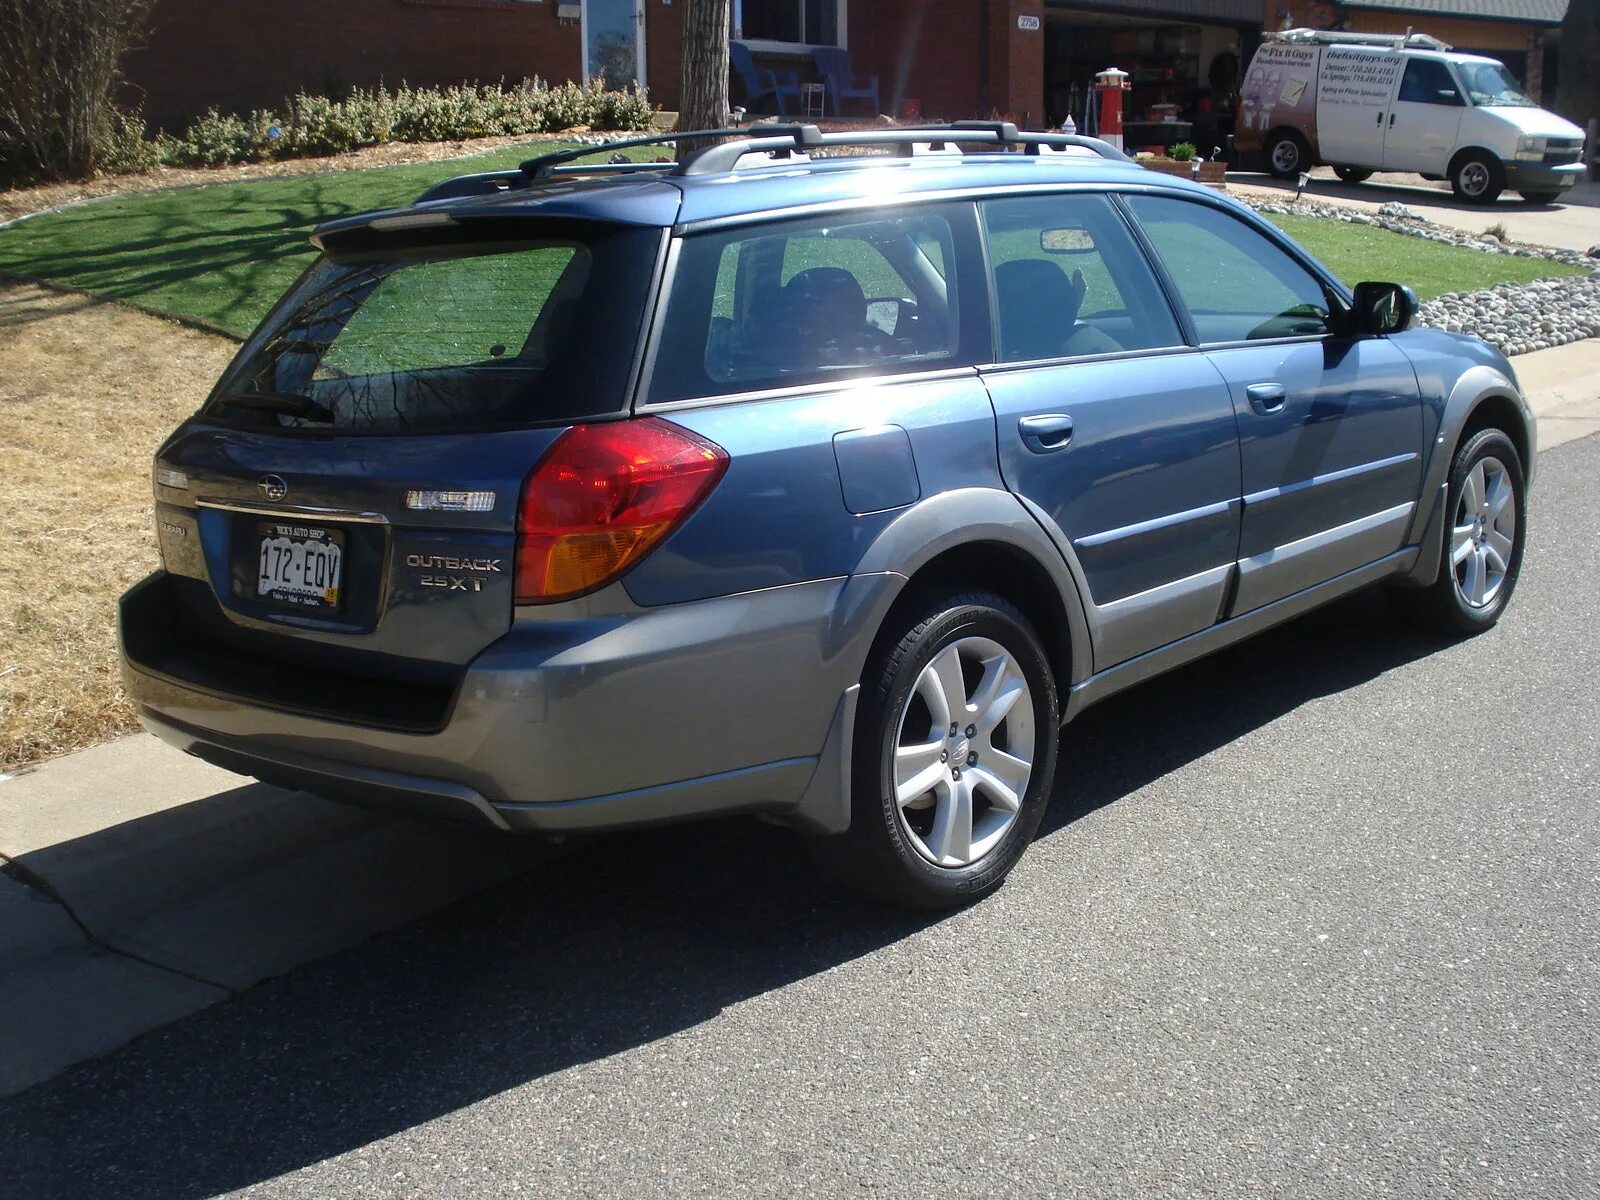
[{"x": 1515, "y": 318}]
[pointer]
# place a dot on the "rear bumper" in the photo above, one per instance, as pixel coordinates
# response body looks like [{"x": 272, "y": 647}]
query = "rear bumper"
[{"x": 735, "y": 704}]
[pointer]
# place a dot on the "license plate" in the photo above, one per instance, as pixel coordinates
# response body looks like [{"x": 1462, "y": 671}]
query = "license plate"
[{"x": 300, "y": 565}]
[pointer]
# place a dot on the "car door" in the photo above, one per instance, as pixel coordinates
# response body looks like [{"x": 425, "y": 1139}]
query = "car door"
[
  {"x": 1330, "y": 426},
  {"x": 1424, "y": 118},
  {"x": 1121, "y": 440}
]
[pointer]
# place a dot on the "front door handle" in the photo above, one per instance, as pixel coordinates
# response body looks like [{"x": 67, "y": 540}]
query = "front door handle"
[
  {"x": 1042, "y": 434},
  {"x": 1266, "y": 398}
]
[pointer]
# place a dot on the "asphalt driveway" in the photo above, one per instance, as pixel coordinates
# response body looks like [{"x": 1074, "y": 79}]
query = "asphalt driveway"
[{"x": 1317, "y": 916}]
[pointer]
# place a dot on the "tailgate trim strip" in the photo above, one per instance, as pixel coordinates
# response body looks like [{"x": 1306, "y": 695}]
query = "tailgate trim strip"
[{"x": 292, "y": 510}]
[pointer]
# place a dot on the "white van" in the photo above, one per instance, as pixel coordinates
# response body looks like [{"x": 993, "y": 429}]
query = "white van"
[{"x": 1378, "y": 102}]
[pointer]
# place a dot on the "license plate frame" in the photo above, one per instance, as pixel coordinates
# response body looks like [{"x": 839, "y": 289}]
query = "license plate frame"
[{"x": 300, "y": 567}]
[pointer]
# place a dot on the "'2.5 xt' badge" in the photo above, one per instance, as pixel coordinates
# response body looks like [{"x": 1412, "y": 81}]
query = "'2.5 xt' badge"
[{"x": 453, "y": 574}]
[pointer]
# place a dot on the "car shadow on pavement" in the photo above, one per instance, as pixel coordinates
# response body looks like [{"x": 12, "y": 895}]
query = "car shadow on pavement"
[{"x": 619, "y": 943}]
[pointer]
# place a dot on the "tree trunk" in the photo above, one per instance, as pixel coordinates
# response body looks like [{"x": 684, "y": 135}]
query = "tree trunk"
[
  {"x": 1578, "y": 82},
  {"x": 704, "y": 102}
]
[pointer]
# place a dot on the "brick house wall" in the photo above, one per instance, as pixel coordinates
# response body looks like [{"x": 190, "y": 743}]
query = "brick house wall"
[
  {"x": 960, "y": 58},
  {"x": 246, "y": 54}
]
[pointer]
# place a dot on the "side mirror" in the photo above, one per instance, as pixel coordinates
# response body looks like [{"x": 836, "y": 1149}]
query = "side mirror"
[
  {"x": 1380, "y": 308},
  {"x": 1448, "y": 95}
]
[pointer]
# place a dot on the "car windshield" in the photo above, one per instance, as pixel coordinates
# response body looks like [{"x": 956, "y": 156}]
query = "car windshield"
[
  {"x": 450, "y": 338},
  {"x": 1491, "y": 86}
]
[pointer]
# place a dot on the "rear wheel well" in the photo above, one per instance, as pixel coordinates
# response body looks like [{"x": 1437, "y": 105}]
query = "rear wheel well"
[
  {"x": 1497, "y": 412},
  {"x": 1008, "y": 572}
]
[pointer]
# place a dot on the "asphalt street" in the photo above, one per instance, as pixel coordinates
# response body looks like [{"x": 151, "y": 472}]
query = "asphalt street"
[{"x": 1315, "y": 917}]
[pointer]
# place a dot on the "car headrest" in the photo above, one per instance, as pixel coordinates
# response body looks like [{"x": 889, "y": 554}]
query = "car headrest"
[{"x": 1038, "y": 307}]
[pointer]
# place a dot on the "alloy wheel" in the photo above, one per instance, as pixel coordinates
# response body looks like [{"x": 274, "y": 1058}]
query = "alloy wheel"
[
  {"x": 1484, "y": 534},
  {"x": 964, "y": 752},
  {"x": 1286, "y": 156}
]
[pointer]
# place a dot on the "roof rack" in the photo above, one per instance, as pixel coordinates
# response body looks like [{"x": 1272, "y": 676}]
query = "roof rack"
[
  {"x": 775, "y": 140},
  {"x": 1337, "y": 37}
]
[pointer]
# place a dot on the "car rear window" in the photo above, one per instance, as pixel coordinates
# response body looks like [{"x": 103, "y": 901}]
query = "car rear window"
[{"x": 451, "y": 338}]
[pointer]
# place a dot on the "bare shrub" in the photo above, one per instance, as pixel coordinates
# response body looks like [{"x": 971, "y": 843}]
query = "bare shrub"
[{"x": 60, "y": 67}]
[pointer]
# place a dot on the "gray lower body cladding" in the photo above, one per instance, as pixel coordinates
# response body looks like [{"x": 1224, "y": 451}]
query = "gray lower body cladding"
[{"x": 715, "y": 706}]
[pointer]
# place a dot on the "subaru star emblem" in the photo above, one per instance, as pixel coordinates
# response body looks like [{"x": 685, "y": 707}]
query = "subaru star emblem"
[{"x": 273, "y": 487}]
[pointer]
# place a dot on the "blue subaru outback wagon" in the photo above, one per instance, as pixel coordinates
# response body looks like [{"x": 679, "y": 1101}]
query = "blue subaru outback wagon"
[{"x": 794, "y": 479}]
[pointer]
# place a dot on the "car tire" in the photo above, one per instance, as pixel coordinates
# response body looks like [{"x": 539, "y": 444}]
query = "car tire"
[
  {"x": 1353, "y": 174},
  {"x": 1288, "y": 153},
  {"x": 1486, "y": 514},
  {"x": 1477, "y": 178},
  {"x": 987, "y": 770},
  {"x": 1541, "y": 197}
]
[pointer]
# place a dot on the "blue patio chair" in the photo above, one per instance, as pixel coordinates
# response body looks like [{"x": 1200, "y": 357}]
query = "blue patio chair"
[
  {"x": 760, "y": 81},
  {"x": 834, "y": 66}
]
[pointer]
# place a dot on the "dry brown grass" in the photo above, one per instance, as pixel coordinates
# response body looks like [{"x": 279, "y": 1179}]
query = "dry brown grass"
[{"x": 87, "y": 391}]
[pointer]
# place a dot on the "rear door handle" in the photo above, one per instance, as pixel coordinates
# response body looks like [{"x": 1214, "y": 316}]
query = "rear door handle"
[
  {"x": 1047, "y": 432},
  {"x": 1266, "y": 398}
]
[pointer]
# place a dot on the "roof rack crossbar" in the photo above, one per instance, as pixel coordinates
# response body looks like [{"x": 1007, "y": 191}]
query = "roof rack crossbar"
[
  {"x": 542, "y": 165},
  {"x": 773, "y": 139}
]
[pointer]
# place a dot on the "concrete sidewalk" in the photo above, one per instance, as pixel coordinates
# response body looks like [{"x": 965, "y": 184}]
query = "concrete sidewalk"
[{"x": 140, "y": 885}]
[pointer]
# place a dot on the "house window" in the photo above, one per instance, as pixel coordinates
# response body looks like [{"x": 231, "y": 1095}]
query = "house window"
[{"x": 797, "y": 22}]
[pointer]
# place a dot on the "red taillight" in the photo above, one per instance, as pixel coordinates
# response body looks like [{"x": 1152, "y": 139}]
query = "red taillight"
[{"x": 601, "y": 498}]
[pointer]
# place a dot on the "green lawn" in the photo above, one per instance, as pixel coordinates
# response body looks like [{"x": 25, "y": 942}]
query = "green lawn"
[
  {"x": 1361, "y": 252},
  {"x": 225, "y": 252}
]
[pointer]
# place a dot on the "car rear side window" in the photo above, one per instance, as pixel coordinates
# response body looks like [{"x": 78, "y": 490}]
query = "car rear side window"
[
  {"x": 1237, "y": 284},
  {"x": 450, "y": 338},
  {"x": 1068, "y": 279},
  {"x": 809, "y": 301}
]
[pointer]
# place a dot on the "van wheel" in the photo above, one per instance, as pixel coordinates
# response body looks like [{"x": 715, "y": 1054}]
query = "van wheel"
[
  {"x": 1482, "y": 555},
  {"x": 955, "y": 754},
  {"x": 1541, "y": 197},
  {"x": 1478, "y": 178},
  {"x": 1288, "y": 154},
  {"x": 1353, "y": 174}
]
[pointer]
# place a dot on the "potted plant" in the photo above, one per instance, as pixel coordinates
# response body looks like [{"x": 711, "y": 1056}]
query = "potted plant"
[{"x": 1180, "y": 160}]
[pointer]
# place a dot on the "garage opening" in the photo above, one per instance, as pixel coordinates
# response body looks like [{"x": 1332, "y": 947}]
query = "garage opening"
[{"x": 1183, "y": 75}]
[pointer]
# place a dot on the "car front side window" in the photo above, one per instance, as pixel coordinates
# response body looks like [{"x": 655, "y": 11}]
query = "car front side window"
[{"x": 1237, "y": 284}]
